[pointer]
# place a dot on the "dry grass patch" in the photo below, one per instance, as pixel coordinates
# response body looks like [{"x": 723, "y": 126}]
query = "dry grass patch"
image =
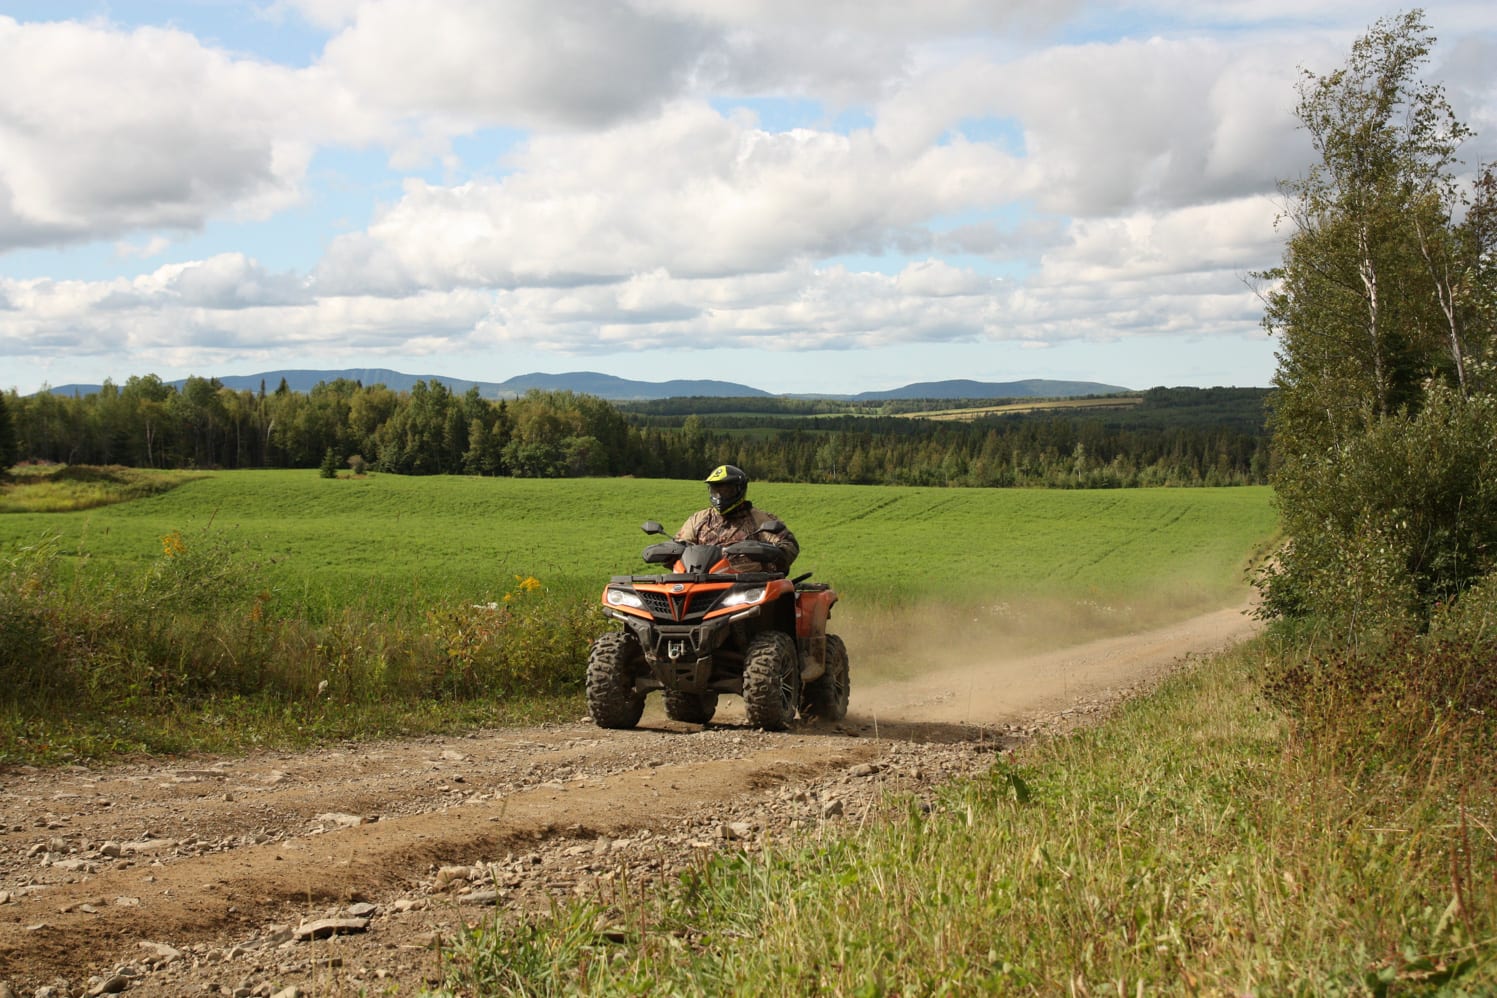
[{"x": 67, "y": 488}]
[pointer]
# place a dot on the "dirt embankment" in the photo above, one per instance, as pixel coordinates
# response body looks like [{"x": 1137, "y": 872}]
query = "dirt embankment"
[{"x": 338, "y": 870}]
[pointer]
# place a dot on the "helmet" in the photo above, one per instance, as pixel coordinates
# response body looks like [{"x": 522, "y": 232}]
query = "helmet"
[{"x": 727, "y": 486}]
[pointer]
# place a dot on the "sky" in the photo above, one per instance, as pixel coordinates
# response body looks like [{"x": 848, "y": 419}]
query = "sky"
[{"x": 804, "y": 196}]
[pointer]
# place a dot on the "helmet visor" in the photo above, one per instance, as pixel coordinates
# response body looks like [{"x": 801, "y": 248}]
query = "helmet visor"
[{"x": 725, "y": 495}]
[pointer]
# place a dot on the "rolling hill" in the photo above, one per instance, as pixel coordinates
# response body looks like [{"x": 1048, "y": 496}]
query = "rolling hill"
[{"x": 622, "y": 389}]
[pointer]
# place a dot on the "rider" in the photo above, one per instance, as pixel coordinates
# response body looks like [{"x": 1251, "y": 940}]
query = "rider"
[{"x": 731, "y": 517}]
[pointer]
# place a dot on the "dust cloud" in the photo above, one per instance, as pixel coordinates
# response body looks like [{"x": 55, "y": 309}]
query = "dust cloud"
[{"x": 985, "y": 666}]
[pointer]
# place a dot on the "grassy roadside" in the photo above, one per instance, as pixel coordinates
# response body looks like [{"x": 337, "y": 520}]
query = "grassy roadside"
[{"x": 1197, "y": 842}]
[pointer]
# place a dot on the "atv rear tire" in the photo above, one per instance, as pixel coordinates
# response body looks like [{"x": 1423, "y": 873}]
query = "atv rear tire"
[
  {"x": 825, "y": 698},
  {"x": 771, "y": 681},
  {"x": 612, "y": 665},
  {"x": 693, "y": 708}
]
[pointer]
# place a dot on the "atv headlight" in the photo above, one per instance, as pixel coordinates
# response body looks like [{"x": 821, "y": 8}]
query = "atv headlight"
[
  {"x": 743, "y": 597},
  {"x": 623, "y": 597}
]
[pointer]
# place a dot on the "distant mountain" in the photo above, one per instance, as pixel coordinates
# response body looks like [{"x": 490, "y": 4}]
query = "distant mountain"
[
  {"x": 615, "y": 389},
  {"x": 621, "y": 389},
  {"x": 583, "y": 382},
  {"x": 1031, "y": 388}
]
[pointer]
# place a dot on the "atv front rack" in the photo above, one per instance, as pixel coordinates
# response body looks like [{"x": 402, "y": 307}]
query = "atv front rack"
[{"x": 748, "y": 577}]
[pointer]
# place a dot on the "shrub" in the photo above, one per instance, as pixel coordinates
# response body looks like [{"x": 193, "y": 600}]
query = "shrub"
[
  {"x": 196, "y": 574},
  {"x": 1393, "y": 523}
]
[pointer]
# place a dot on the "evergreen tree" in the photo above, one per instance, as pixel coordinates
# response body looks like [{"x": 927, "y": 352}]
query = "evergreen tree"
[{"x": 8, "y": 445}]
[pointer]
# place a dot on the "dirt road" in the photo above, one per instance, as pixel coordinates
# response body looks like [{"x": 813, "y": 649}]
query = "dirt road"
[{"x": 340, "y": 871}]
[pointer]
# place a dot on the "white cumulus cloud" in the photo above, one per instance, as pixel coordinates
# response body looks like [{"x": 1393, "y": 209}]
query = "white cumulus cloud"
[
  {"x": 691, "y": 192},
  {"x": 103, "y": 132}
]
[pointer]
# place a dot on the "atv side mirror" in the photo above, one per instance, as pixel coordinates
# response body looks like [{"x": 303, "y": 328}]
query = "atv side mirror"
[{"x": 652, "y": 527}]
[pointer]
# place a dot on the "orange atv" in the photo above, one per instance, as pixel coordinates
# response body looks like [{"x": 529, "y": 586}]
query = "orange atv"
[{"x": 703, "y": 629}]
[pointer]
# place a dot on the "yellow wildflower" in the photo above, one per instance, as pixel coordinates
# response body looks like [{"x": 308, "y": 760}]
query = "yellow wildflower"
[{"x": 173, "y": 544}]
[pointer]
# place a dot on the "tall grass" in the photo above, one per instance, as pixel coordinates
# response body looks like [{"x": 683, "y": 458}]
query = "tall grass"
[
  {"x": 197, "y": 651},
  {"x": 1196, "y": 843}
]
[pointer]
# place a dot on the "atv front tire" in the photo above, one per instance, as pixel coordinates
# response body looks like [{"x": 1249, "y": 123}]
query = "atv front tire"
[
  {"x": 825, "y": 698},
  {"x": 693, "y": 708},
  {"x": 612, "y": 665},
  {"x": 771, "y": 681}
]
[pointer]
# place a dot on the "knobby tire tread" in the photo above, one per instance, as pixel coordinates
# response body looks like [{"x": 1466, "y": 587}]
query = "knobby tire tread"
[
  {"x": 692, "y": 708},
  {"x": 825, "y": 698},
  {"x": 771, "y": 681},
  {"x": 612, "y": 665}
]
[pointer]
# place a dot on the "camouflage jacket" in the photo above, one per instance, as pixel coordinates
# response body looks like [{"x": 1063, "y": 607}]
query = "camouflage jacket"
[{"x": 708, "y": 526}]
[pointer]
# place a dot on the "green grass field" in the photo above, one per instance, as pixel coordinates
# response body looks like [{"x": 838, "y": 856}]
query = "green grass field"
[
  {"x": 1081, "y": 405},
  {"x": 387, "y": 538}
]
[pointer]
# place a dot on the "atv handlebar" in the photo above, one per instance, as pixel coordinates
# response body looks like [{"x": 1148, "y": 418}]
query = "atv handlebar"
[
  {"x": 669, "y": 552},
  {"x": 697, "y": 559}
]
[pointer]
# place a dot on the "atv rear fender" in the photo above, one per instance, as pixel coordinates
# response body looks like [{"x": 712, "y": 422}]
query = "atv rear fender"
[{"x": 813, "y": 606}]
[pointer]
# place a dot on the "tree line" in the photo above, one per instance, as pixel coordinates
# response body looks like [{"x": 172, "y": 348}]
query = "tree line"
[
  {"x": 424, "y": 431},
  {"x": 433, "y": 430}
]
